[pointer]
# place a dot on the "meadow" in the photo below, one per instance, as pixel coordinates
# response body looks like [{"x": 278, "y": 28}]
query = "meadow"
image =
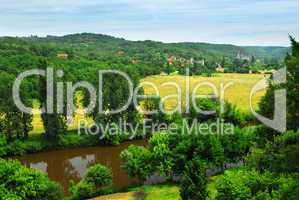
[{"x": 237, "y": 92}]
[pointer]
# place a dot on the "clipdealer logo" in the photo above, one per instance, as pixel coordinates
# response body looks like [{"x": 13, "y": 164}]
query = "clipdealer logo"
[{"x": 278, "y": 122}]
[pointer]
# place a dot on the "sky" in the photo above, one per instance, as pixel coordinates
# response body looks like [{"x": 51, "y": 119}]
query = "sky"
[{"x": 239, "y": 22}]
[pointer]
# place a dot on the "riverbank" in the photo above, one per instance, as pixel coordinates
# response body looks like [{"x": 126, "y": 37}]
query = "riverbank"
[{"x": 69, "y": 140}]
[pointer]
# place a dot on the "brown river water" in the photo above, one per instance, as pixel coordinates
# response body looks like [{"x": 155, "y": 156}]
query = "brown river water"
[{"x": 63, "y": 166}]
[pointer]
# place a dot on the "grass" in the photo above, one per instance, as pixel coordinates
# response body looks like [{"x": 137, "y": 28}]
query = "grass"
[
  {"x": 237, "y": 94},
  {"x": 151, "y": 192},
  {"x": 165, "y": 192},
  {"x": 162, "y": 191}
]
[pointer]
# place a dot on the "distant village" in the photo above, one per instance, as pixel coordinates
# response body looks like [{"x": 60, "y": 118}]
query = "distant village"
[{"x": 182, "y": 62}]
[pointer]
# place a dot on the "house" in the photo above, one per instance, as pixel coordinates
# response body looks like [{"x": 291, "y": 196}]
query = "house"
[
  {"x": 220, "y": 69},
  {"x": 171, "y": 60},
  {"x": 63, "y": 56}
]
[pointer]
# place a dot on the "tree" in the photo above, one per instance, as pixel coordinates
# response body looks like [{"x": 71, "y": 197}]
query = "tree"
[
  {"x": 280, "y": 156},
  {"x": 162, "y": 155},
  {"x": 291, "y": 85},
  {"x": 194, "y": 181},
  {"x": 54, "y": 123},
  {"x": 96, "y": 179},
  {"x": 137, "y": 162},
  {"x": 98, "y": 175},
  {"x": 217, "y": 151},
  {"x": 250, "y": 184},
  {"x": 13, "y": 123},
  {"x": 153, "y": 105}
]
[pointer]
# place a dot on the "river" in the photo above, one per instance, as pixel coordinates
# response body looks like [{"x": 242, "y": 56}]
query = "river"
[{"x": 63, "y": 166}]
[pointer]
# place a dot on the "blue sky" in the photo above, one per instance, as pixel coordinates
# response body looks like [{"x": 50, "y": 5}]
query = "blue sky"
[{"x": 246, "y": 22}]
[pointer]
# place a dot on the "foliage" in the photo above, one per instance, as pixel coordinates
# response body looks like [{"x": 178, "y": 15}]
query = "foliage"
[
  {"x": 39, "y": 143},
  {"x": 162, "y": 156},
  {"x": 14, "y": 124},
  {"x": 292, "y": 76},
  {"x": 233, "y": 115},
  {"x": 280, "y": 156},
  {"x": 96, "y": 181},
  {"x": 194, "y": 181},
  {"x": 248, "y": 184},
  {"x": 151, "y": 106},
  {"x": 205, "y": 109},
  {"x": 53, "y": 120},
  {"x": 137, "y": 162},
  {"x": 3, "y": 146},
  {"x": 19, "y": 182}
]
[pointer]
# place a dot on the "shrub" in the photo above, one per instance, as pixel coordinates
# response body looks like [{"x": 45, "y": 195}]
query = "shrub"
[
  {"x": 17, "y": 147},
  {"x": 82, "y": 190},
  {"x": 112, "y": 137},
  {"x": 233, "y": 115},
  {"x": 33, "y": 146},
  {"x": 3, "y": 146},
  {"x": 194, "y": 181},
  {"x": 96, "y": 181},
  {"x": 137, "y": 162},
  {"x": 98, "y": 175},
  {"x": 204, "y": 104},
  {"x": 162, "y": 156},
  {"x": 74, "y": 140},
  {"x": 19, "y": 182},
  {"x": 281, "y": 155},
  {"x": 249, "y": 184}
]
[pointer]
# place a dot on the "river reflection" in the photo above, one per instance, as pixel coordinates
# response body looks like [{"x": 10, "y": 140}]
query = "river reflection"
[{"x": 65, "y": 165}]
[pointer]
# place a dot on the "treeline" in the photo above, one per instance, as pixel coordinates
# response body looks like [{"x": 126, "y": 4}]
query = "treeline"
[{"x": 157, "y": 57}]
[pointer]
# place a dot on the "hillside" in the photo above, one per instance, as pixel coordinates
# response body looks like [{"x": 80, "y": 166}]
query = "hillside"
[
  {"x": 104, "y": 45},
  {"x": 149, "y": 57}
]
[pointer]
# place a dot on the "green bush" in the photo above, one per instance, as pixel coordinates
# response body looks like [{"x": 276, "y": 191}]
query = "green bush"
[
  {"x": 114, "y": 137},
  {"x": 281, "y": 155},
  {"x": 233, "y": 115},
  {"x": 137, "y": 162},
  {"x": 96, "y": 181},
  {"x": 3, "y": 146},
  {"x": 249, "y": 184},
  {"x": 19, "y": 182},
  {"x": 98, "y": 175},
  {"x": 33, "y": 146},
  {"x": 194, "y": 181},
  {"x": 162, "y": 156},
  {"x": 204, "y": 105},
  {"x": 82, "y": 190},
  {"x": 17, "y": 147}
]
